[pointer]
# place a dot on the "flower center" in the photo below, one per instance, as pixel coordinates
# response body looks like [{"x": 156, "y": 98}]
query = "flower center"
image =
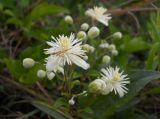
[
  {"x": 116, "y": 76},
  {"x": 65, "y": 45}
]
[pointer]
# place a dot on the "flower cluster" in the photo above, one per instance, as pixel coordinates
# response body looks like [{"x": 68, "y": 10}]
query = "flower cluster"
[{"x": 72, "y": 50}]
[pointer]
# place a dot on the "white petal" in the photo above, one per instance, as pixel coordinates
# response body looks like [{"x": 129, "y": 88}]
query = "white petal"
[{"x": 78, "y": 61}]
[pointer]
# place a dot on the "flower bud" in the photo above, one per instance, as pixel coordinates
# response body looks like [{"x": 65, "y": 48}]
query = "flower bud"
[
  {"x": 91, "y": 49},
  {"x": 93, "y": 32},
  {"x": 117, "y": 35},
  {"x": 71, "y": 101},
  {"x": 106, "y": 90},
  {"x": 112, "y": 47},
  {"x": 50, "y": 75},
  {"x": 81, "y": 35},
  {"x": 104, "y": 45},
  {"x": 84, "y": 26},
  {"x": 41, "y": 73},
  {"x": 114, "y": 52},
  {"x": 96, "y": 86},
  {"x": 106, "y": 59},
  {"x": 68, "y": 19},
  {"x": 28, "y": 63},
  {"x": 86, "y": 47}
]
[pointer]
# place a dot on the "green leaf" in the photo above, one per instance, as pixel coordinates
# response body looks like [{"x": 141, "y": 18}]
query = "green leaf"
[
  {"x": 55, "y": 113},
  {"x": 44, "y": 9},
  {"x": 26, "y": 116},
  {"x": 136, "y": 44},
  {"x": 1, "y": 7},
  {"x": 108, "y": 105},
  {"x": 150, "y": 61},
  {"x": 35, "y": 52}
]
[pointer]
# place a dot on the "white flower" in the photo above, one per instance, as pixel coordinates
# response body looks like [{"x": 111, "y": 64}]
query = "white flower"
[
  {"x": 99, "y": 14},
  {"x": 65, "y": 50},
  {"x": 115, "y": 81}
]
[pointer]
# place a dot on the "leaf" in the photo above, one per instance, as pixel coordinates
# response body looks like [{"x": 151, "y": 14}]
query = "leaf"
[
  {"x": 1, "y": 7},
  {"x": 27, "y": 115},
  {"x": 108, "y": 105},
  {"x": 51, "y": 111},
  {"x": 150, "y": 61},
  {"x": 44, "y": 9},
  {"x": 136, "y": 44},
  {"x": 35, "y": 52},
  {"x": 61, "y": 102}
]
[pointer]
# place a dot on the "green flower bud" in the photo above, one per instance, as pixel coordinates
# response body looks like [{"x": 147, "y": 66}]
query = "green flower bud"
[
  {"x": 84, "y": 26},
  {"x": 68, "y": 19},
  {"x": 112, "y": 47},
  {"x": 114, "y": 52},
  {"x": 50, "y": 75},
  {"x": 96, "y": 86},
  {"x": 106, "y": 59},
  {"x": 117, "y": 35},
  {"x": 41, "y": 73},
  {"x": 106, "y": 90},
  {"x": 81, "y": 35},
  {"x": 93, "y": 32},
  {"x": 86, "y": 47},
  {"x": 28, "y": 63}
]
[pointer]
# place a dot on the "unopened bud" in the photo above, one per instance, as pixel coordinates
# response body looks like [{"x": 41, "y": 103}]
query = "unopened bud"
[
  {"x": 106, "y": 59},
  {"x": 81, "y": 35},
  {"x": 84, "y": 26},
  {"x": 96, "y": 86},
  {"x": 68, "y": 19},
  {"x": 117, "y": 35},
  {"x": 86, "y": 47},
  {"x": 91, "y": 48},
  {"x": 28, "y": 63},
  {"x": 114, "y": 52},
  {"x": 112, "y": 47},
  {"x": 104, "y": 45},
  {"x": 41, "y": 73},
  {"x": 93, "y": 32}
]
